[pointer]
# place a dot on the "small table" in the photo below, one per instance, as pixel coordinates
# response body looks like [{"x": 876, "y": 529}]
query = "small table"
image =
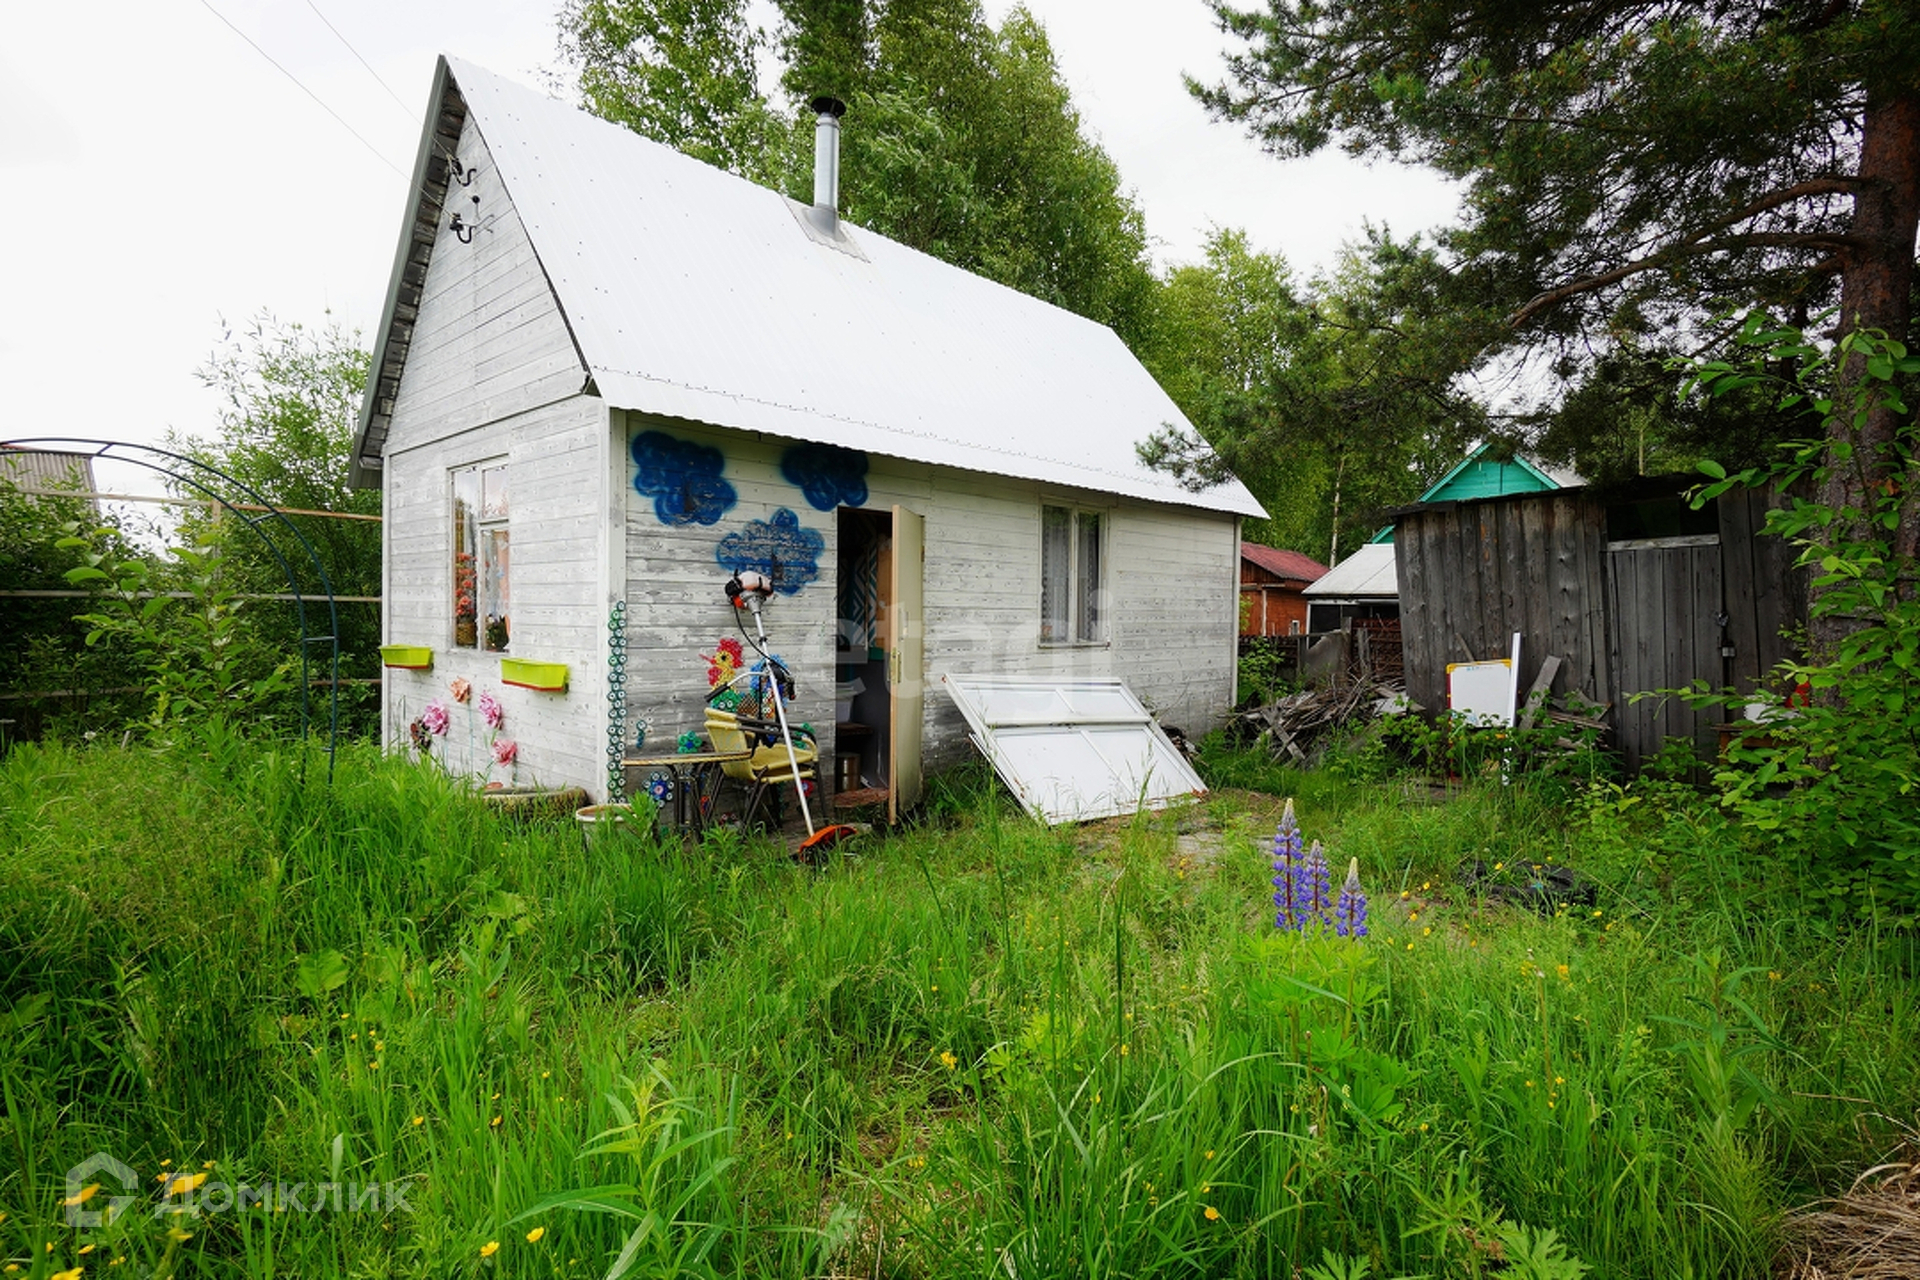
[{"x": 687, "y": 770}]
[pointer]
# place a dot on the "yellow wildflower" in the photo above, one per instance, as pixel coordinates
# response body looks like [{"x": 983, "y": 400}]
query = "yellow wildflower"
[
  {"x": 74, "y": 1274},
  {"x": 947, "y": 1059},
  {"x": 495, "y": 1122},
  {"x": 85, "y": 1249},
  {"x": 534, "y": 1236},
  {"x": 178, "y": 1236},
  {"x": 490, "y": 1248},
  {"x": 81, "y": 1196},
  {"x": 1209, "y": 1155},
  {"x": 418, "y": 1121},
  {"x": 1213, "y": 1214}
]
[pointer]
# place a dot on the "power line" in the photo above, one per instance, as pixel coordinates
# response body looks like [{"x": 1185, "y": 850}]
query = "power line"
[
  {"x": 408, "y": 111},
  {"x": 303, "y": 88}
]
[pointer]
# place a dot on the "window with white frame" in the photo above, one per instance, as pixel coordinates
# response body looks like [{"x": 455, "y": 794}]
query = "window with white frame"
[
  {"x": 482, "y": 558},
  {"x": 1072, "y": 567}
]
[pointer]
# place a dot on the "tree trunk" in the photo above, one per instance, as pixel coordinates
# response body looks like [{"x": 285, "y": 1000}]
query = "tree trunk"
[{"x": 1875, "y": 294}]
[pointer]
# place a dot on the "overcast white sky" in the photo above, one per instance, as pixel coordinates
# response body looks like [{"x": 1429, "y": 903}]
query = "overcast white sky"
[{"x": 158, "y": 174}]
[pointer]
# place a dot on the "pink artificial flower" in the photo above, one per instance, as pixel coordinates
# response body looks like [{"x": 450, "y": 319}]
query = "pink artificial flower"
[
  {"x": 435, "y": 718},
  {"x": 490, "y": 711},
  {"x": 461, "y": 689},
  {"x": 505, "y": 751}
]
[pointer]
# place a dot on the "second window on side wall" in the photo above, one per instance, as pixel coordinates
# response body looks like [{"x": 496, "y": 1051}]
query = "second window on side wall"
[
  {"x": 1072, "y": 569},
  {"x": 482, "y": 559}
]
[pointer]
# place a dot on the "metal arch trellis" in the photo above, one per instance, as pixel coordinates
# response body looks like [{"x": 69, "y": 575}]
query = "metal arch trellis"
[{"x": 199, "y": 476}]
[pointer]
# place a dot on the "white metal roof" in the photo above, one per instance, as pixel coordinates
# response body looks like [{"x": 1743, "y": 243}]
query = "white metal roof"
[
  {"x": 696, "y": 294},
  {"x": 1368, "y": 573},
  {"x": 1072, "y": 750}
]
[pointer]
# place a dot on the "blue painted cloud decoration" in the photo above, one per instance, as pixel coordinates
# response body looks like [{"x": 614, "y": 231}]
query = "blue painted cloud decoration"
[
  {"x": 782, "y": 548},
  {"x": 682, "y": 478}
]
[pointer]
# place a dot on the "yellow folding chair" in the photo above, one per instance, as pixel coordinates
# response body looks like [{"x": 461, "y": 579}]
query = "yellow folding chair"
[{"x": 763, "y": 772}]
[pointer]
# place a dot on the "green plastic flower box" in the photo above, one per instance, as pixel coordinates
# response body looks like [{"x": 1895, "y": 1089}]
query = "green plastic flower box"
[
  {"x": 407, "y": 657},
  {"x": 544, "y": 677}
]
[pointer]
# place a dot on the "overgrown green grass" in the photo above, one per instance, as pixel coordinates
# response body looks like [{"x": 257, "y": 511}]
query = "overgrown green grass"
[{"x": 979, "y": 1047}]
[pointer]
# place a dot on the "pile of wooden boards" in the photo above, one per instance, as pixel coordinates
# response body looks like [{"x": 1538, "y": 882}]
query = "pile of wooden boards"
[{"x": 1296, "y": 727}]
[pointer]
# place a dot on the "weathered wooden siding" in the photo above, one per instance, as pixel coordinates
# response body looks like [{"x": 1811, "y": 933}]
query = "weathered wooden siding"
[
  {"x": 1630, "y": 617},
  {"x": 1270, "y": 609},
  {"x": 1761, "y": 619},
  {"x": 1171, "y": 576},
  {"x": 490, "y": 341},
  {"x": 1663, "y": 603},
  {"x": 492, "y": 374},
  {"x": 1471, "y": 575}
]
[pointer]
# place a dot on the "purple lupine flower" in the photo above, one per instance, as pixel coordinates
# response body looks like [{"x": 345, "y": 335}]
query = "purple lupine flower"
[
  {"x": 1350, "y": 913},
  {"x": 1287, "y": 871},
  {"x": 490, "y": 711},
  {"x": 1315, "y": 887}
]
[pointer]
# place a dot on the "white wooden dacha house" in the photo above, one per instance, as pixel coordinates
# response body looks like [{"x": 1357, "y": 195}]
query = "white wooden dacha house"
[{"x": 610, "y": 373}]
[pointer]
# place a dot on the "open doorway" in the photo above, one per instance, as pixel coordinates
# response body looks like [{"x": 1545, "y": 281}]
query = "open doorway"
[{"x": 862, "y": 731}]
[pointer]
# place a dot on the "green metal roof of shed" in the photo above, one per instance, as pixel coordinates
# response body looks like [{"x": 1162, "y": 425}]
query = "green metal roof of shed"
[{"x": 1479, "y": 476}]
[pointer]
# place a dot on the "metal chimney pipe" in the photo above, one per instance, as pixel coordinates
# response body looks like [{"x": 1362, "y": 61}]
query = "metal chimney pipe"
[{"x": 826, "y": 161}]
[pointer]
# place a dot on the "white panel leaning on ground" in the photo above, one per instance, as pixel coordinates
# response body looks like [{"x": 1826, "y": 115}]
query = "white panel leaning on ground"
[{"x": 563, "y": 288}]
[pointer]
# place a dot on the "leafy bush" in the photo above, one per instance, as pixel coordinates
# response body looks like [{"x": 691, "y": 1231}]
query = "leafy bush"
[{"x": 1833, "y": 778}]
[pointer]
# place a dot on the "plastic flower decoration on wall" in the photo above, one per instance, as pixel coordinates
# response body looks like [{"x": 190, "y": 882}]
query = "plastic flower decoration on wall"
[
  {"x": 435, "y": 719},
  {"x": 491, "y": 712},
  {"x": 460, "y": 689},
  {"x": 505, "y": 751},
  {"x": 689, "y": 742},
  {"x": 421, "y": 736},
  {"x": 660, "y": 787}
]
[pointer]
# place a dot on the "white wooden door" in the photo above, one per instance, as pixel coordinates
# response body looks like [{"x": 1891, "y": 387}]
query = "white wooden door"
[{"x": 906, "y": 660}]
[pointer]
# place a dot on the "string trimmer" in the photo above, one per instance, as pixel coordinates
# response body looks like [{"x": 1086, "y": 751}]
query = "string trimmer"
[{"x": 750, "y": 591}]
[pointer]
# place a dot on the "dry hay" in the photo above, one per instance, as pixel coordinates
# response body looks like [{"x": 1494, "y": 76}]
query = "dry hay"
[{"x": 1870, "y": 1233}]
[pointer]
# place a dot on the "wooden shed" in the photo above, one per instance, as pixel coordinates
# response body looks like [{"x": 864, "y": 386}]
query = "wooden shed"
[
  {"x": 609, "y": 376},
  {"x": 1632, "y": 589},
  {"x": 1271, "y": 580}
]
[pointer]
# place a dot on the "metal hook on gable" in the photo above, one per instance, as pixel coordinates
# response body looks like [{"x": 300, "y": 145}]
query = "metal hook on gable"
[{"x": 463, "y": 230}]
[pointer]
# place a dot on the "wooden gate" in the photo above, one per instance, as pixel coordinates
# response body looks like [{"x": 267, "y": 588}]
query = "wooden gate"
[{"x": 1664, "y": 598}]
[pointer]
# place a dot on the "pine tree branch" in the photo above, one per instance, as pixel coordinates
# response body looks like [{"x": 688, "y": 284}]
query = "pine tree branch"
[{"x": 1702, "y": 240}]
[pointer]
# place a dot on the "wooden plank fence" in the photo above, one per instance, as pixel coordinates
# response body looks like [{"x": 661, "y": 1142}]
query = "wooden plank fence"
[{"x": 1624, "y": 616}]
